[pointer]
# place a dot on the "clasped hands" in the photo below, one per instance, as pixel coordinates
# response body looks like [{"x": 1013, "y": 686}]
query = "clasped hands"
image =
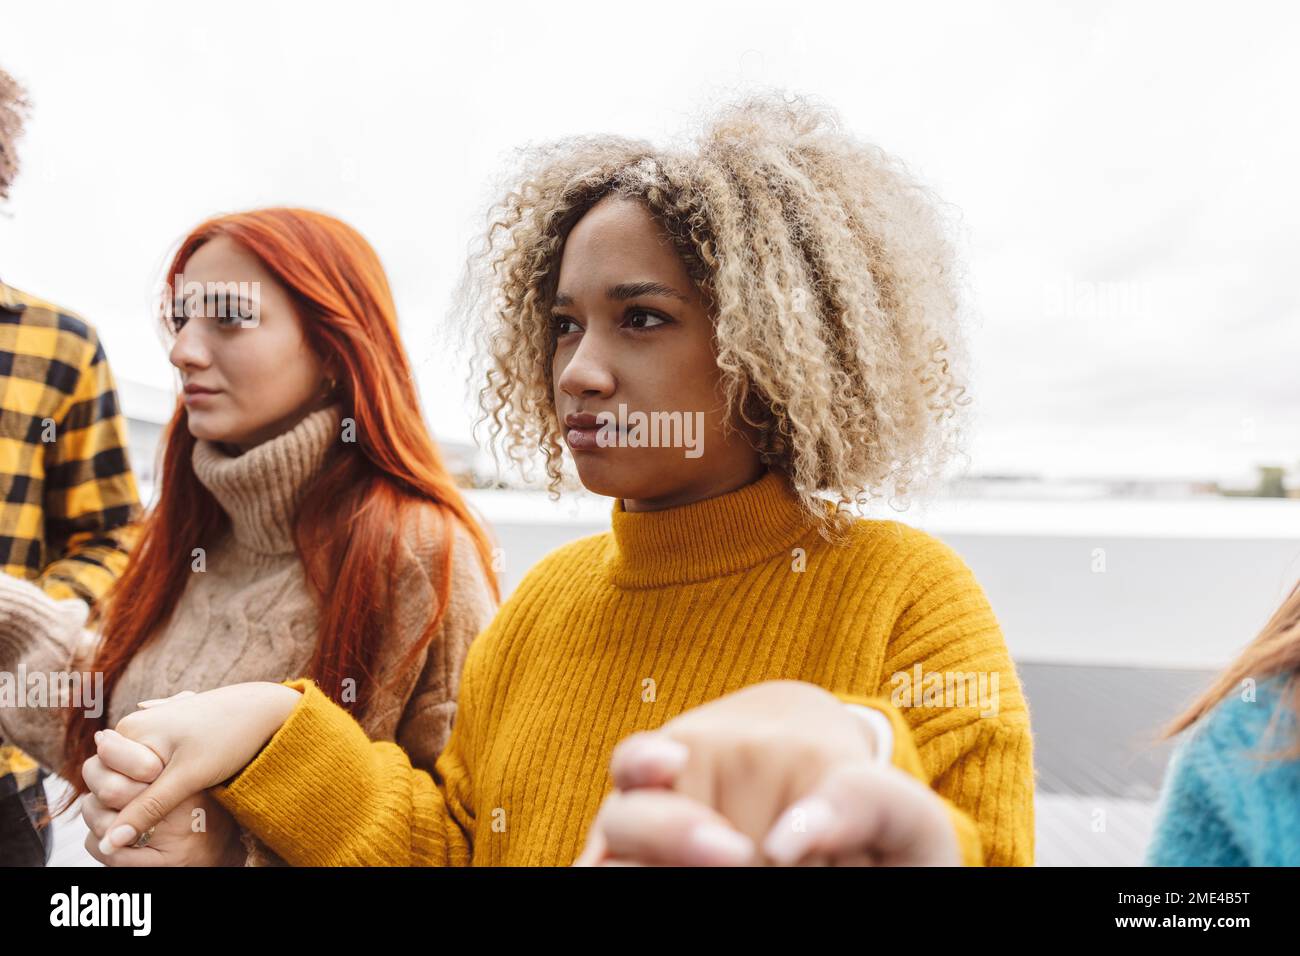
[{"x": 776, "y": 773}]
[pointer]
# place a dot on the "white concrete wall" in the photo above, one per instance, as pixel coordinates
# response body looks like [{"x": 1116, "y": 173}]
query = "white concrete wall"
[{"x": 1185, "y": 583}]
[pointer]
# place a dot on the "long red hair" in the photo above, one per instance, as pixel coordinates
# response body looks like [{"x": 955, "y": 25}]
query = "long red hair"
[{"x": 348, "y": 531}]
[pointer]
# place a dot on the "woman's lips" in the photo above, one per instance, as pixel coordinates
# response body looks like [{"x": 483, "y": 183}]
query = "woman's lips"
[
  {"x": 582, "y": 439},
  {"x": 581, "y": 430},
  {"x": 585, "y": 438}
]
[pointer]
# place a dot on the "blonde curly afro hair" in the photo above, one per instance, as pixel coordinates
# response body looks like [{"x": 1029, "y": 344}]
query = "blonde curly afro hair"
[{"x": 828, "y": 273}]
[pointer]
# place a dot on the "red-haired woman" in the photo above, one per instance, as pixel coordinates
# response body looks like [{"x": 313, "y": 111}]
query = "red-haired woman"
[{"x": 305, "y": 525}]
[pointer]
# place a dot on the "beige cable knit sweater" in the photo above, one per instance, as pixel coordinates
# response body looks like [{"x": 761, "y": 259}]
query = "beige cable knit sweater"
[{"x": 249, "y": 616}]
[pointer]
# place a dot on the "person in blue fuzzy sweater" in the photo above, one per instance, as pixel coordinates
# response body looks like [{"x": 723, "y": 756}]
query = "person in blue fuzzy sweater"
[{"x": 1231, "y": 795}]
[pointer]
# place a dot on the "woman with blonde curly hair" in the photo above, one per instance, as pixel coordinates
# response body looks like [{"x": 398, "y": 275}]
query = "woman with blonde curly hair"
[{"x": 733, "y": 339}]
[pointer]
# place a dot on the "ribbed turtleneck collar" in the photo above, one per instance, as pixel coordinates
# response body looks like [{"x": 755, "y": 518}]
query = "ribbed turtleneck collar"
[
  {"x": 706, "y": 539},
  {"x": 261, "y": 489}
]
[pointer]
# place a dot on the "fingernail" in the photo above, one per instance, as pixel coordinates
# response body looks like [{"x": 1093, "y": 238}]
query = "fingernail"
[
  {"x": 712, "y": 845},
  {"x": 98, "y": 734},
  {"x": 668, "y": 753},
  {"x": 797, "y": 829},
  {"x": 117, "y": 837}
]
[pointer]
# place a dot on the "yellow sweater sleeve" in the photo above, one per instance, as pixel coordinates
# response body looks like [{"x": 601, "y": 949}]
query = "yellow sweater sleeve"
[
  {"x": 321, "y": 793},
  {"x": 908, "y": 759},
  {"x": 960, "y": 720}
]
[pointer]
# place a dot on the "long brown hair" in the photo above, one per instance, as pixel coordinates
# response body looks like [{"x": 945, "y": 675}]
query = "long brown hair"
[
  {"x": 1274, "y": 653},
  {"x": 348, "y": 530}
]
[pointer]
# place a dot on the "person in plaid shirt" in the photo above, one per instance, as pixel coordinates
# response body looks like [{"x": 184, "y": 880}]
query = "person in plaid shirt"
[
  {"x": 68, "y": 498},
  {"x": 67, "y": 494}
]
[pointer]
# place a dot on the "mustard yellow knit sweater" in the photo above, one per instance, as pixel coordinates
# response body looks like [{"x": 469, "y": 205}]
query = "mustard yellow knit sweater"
[{"x": 622, "y": 631}]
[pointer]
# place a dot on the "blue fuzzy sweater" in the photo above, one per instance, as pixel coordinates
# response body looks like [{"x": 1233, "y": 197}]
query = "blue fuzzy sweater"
[{"x": 1222, "y": 806}]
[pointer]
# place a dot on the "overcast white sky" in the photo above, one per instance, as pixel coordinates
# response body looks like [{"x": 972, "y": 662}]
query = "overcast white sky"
[{"x": 1126, "y": 174}]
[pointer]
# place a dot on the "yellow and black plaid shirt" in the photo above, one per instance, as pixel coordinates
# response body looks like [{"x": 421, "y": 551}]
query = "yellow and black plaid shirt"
[{"x": 68, "y": 498}]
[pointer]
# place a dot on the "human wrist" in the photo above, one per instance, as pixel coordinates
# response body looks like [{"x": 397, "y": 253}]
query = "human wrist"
[
  {"x": 274, "y": 703},
  {"x": 877, "y": 730},
  {"x": 282, "y": 700}
]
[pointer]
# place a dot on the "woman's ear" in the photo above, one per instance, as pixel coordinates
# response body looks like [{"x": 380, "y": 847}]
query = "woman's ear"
[{"x": 332, "y": 377}]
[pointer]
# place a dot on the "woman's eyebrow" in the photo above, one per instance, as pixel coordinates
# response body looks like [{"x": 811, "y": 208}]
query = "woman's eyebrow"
[
  {"x": 634, "y": 290},
  {"x": 627, "y": 290},
  {"x": 227, "y": 300}
]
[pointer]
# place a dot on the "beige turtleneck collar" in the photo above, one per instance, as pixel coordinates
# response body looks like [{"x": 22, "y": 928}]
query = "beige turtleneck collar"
[{"x": 261, "y": 489}]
